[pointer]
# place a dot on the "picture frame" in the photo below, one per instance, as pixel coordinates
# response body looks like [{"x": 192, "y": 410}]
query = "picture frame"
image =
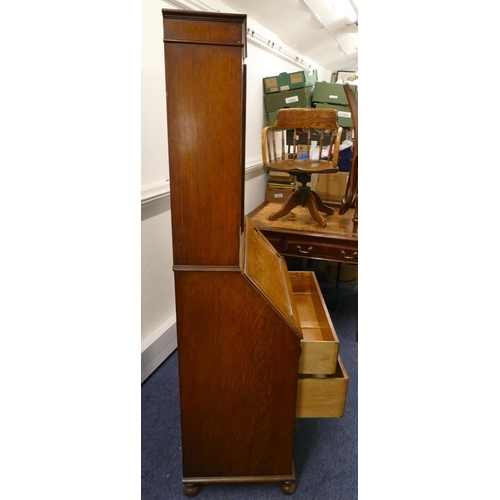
[{"x": 347, "y": 76}]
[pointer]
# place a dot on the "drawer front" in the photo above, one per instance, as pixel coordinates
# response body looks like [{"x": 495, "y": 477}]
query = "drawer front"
[
  {"x": 318, "y": 357},
  {"x": 322, "y": 397},
  {"x": 322, "y": 251},
  {"x": 313, "y": 249}
]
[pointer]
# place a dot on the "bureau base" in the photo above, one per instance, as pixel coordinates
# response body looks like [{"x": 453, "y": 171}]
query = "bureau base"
[{"x": 192, "y": 485}]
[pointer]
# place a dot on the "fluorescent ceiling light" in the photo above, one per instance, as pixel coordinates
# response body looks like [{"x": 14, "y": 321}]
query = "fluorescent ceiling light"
[{"x": 345, "y": 8}]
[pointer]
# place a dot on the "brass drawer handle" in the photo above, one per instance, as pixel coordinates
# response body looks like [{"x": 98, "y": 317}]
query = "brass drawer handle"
[
  {"x": 304, "y": 251},
  {"x": 347, "y": 257}
]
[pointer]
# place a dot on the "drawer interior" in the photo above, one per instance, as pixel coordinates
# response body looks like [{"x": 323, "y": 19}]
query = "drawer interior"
[
  {"x": 320, "y": 345},
  {"x": 313, "y": 315}
]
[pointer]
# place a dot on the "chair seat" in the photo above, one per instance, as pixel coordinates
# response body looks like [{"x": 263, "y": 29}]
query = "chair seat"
[{"x": 301, "y": 167}]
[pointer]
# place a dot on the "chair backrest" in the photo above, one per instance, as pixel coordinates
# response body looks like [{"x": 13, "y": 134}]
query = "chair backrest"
[{"x": 311, "y": 135}]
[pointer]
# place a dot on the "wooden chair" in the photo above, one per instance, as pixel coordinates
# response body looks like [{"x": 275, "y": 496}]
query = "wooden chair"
[
  {"x": 350, "y": 198},
  {"x": 302, "y": 127}
]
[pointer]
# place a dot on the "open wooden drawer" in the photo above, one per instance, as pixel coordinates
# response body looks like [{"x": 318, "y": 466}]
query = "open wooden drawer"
[
  {"x": 322, "y": 383},
  {"x": 322, "y": 396},
  {"x": 320, "y": 344}
]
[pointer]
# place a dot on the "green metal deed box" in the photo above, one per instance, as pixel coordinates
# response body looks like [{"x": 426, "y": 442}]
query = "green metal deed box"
[
  {"x": 289, "y": 81},
  {"x": 343, "y": 113},
  {"x": 331, "y": 93},
  {"x": 298, "y": 98}
]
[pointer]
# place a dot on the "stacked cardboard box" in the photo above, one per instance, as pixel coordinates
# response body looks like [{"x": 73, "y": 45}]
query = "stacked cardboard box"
[
  {"x": 279, "y": 186},
  {"x": 330, "y": 187}
]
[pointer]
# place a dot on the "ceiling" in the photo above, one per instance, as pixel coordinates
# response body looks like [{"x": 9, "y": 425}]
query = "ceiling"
[{"x": 314, "y": 28}]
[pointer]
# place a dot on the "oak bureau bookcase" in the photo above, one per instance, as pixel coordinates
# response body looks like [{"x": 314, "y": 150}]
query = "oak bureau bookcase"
[{"x": 256, "y": 346}]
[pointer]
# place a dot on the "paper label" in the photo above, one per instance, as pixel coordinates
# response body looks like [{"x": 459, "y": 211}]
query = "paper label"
[
  {"x": 294, "y": 98},
  {"x": 344, "y": 114},
  {"x": 285, "y": 87},
  {"x": 278, "y": 195},
  {"x": 296, "y": 78},
  {"x": 271, "y": 82},
  {"x": 333, "y": 96}
]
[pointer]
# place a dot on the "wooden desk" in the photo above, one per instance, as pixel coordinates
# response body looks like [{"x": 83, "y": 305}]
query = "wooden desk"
[{"x": 297, "y": 234}]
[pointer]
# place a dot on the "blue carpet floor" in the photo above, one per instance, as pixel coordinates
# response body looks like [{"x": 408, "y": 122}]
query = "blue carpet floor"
[{"x": 326, "y": 450}]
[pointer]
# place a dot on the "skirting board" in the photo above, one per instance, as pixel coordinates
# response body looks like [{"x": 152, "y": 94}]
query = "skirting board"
[{"x": 158, "y": 346}]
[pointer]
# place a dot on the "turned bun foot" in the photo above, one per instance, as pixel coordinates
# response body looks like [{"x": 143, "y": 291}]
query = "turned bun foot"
[
  {"x": 288, "y": 487},
  {"x": 191, "y": 489}
]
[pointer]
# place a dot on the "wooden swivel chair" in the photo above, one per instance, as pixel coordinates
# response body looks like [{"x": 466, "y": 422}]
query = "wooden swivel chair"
[
  {"x": 350, "y": 198},
  {"x": 311, "y": 125}
]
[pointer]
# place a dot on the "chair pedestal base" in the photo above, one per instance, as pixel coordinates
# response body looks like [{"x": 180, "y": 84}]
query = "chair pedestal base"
[{"x": 305, "y": 197}]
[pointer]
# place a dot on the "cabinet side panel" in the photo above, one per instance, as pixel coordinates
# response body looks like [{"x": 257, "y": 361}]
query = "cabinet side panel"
[
  {"x": 204, "y": 115},
  {"x": 238, "y": 364}
]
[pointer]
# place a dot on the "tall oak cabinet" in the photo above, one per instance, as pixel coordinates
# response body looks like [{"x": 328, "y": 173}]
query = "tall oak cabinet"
[{"x": 243, "y": 319}]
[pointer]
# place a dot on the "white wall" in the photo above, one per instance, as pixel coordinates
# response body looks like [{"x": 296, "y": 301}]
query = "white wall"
[
  {"x": 154, "y": 153},
  {"x": 158, "y": 334}
]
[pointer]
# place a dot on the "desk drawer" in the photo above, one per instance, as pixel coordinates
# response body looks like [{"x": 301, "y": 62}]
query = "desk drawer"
[
  {"x": 322, "y": 397},
  {"x": 320, "y": 344},
  {"x": 312, "y": 249}
]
